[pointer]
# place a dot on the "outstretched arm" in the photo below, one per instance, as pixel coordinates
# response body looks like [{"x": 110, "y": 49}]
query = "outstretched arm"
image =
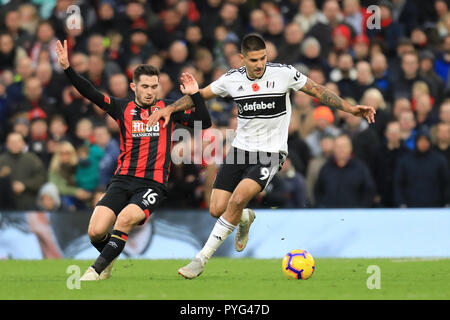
[
  {"x": 83, "y": 85},
  {"x": 182, "y": 104},
  {"x": 329, "y": 98}
]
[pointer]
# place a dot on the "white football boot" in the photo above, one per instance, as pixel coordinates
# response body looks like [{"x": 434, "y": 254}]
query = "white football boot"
[
  {"x": 107, "y": 273},
  {"x": 193, "y": 269},
  {"x": 241, "y": 237},
  {"x": 90, "y": 275}
]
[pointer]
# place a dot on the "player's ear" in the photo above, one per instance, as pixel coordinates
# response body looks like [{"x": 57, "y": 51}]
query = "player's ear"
[
  {"x": 241, "y": 56},
  {"x": 133, "y": 86}
]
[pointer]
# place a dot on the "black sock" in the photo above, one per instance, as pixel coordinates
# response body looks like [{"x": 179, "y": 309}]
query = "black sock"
[
  {"x": 111, "y": 250},
  {"x": 99, "y": 245}
]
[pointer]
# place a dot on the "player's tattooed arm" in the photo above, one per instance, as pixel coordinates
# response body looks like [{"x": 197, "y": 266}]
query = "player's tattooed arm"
[
  {"x": 182, "y": 104},
  {"x": 329, "y": 98}
]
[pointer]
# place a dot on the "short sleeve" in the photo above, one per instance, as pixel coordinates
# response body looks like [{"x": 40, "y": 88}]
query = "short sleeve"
[
  {"x": 296, "y": 79},
  {"x": 218, "y": 87}
]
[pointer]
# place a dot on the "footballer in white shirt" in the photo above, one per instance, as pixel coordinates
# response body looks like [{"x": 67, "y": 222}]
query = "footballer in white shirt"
[{"x": 260, "y": 89}]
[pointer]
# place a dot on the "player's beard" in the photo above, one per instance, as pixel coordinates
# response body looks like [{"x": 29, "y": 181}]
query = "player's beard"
[{"x": 143, "y": 102}]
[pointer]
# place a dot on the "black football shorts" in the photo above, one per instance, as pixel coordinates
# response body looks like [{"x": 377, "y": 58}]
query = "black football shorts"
[
  {"x": 124, "y": 190},
  {"x": 240, "y": 164}
]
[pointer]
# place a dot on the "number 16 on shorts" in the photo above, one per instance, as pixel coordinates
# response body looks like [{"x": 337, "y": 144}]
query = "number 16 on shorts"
[{"x": 149, "y": 198}]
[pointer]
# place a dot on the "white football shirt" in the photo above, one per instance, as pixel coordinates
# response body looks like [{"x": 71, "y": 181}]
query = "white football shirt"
[{"x": 264, "y": 107}]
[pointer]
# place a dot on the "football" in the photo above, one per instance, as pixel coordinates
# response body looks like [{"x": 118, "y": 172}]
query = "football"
[{"x": 298, "y": 264}]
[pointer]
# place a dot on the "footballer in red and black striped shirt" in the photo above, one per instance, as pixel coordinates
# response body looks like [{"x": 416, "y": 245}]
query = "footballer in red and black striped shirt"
[{"x": 139, "y": 183}]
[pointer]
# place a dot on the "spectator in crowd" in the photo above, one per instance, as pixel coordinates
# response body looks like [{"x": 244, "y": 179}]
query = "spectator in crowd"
[
  {"x": 106, "y": 19},
  {"x": 48, "y": 198},
  {"x": 443, "y": 140},
  {"x": 408, "y": 129},
  {"x": 364, "y": 138},
  {"x": 62, "y": 173},
  {"x": 344, "y": 75},
  {"x": 111, "y": 149},
  {"x": 13, "y": 27},
  {"x": 373, "y": 97},
  {"x": 390, "y": 30},
  {"x": 25, "y": 172},
  {"x": 88, "y": 171},
  {"x": 442, "y": 61},
  {"x": 444, "y": 116},
  {"x": 38, "y": 139},
  {"x": 422, "y": 177},
  {"x": 324, "y": 120},
  {"x": 305, "y": 111},
  {"x": 33, "y": 100},
  {"x": 290, "y": 51},
  {"x": 57, "y": 132},
  {"x": 10, "y": 53},
  {"x": 275, "y": 30},
  {"x": 424, "y": 116},
  {"x": 258, "y": 21},
  {"x": 311, "y": 55},
  {"x": 354, "y": 15},
  {"x": 364, "y": 80},
  {"x": 344, "y": 181},
  {"x": 342, "y": 39},
  {"x": 316, "y": 164},
  {"x": 24, "y": 70},
  {"x": 308, "y": 15},
  {"x": 381, "y": 74},
  {"x": 52, "y": 83},
  {"x": 400, "y": 105},
  {"x": 360, "y": 48},
  {"x": 178, "y": 54},
  {"x": 118, "y": 86},
  {"x": 45, "y": 42},
  {"x": 298, "y": 149},
  {"x": 384, "y": 162},
  {"x": 295, "y": 186},
  {"x": 322, "y": 30},
  {"x": 426, "y": 62}
]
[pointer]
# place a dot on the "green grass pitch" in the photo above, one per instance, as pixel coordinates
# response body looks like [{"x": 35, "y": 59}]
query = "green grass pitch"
[{"x": 226, "y": 279}]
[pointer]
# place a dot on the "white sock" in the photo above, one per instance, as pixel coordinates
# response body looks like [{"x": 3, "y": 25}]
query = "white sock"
[
  {"x": 245, "y": 217},
  {"x": 220, "y": 232}
]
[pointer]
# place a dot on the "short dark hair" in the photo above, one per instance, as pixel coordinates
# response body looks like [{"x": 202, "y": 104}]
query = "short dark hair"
[
  {"x": 252, "y": 42},
  {"x": 144, "y": 69}
]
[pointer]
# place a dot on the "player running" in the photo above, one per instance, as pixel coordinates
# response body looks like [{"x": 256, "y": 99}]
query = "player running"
[
  {"x": 261, "y": 91},
  {"x": 139, "y": 184}
]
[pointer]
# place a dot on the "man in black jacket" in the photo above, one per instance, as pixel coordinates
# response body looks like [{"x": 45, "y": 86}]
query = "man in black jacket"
[
  {"x": 344, "y": 181},
  {"x": 422, "y": 177},
  {"x": 383, "y": 163}
]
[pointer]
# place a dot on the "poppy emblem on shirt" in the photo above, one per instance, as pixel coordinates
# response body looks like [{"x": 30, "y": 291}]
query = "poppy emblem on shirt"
[
  {"x": 255, "y": 87},
  {"x": 155, "y": 108},
  {"x": 144, "y": 115}
]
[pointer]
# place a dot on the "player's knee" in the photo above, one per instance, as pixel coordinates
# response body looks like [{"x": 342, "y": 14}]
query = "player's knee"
[
  {"x": 128, "y": 219},
  {"x": 95, "y": 233},
  {"x": 238, "y": 201},
  {"x": 215, "y": 211}
]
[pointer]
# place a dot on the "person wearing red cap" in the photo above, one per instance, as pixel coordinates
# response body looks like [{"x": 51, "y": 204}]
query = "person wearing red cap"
[{"x": 342, "y": 38}]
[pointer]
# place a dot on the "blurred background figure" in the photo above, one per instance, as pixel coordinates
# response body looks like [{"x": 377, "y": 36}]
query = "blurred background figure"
[
  {"x": 24, "y": 172},
  {"x": 422, "y": 177},
  {"x": 344, "y": 181}
]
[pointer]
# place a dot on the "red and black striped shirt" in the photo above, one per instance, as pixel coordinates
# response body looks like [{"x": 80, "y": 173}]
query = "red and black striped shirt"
[{"x": 145, "y": 151}]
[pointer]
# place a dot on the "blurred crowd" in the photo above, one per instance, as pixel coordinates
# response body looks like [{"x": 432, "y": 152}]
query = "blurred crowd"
[{"x": 58, "y": 151}]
